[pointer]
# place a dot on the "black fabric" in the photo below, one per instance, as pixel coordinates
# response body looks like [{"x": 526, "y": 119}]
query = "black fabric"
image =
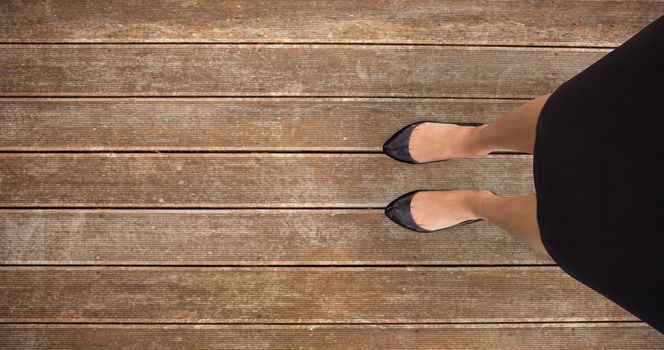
[{"x": 598, "y": 173}]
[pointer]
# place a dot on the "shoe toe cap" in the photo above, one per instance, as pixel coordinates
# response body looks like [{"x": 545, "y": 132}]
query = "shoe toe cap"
[
  {"x": 392, "y": 211},
  {"x": 397, "y": 146},
  {"x": 399, "y": 212}
]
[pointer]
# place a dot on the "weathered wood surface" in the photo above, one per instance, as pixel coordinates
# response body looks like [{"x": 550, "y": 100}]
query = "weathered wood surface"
[
  {"x": 546, "y": 336},
  {"x": 288, "y": 70},
  {"x": 552, "y": 23},
  {"x": 299, "y": 295},
  {"x": 245, "y": 237},
  {"x": 278, "y": 76},
  {"x": 225, "y": 124},
  {"x": 244, "y": 179}
]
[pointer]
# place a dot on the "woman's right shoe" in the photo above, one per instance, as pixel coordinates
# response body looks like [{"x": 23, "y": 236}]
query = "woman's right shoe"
[{"x": 397, "y": 145}]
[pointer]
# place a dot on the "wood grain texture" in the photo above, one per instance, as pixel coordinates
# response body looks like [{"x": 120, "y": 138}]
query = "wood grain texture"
[
  {"x": 245, "y": 237},
  {"x": 546, "y": 336},
  {"x": 244, "y": 179},
  {"x": 299, "y": 295},
  {"x": 252, "y": 250},
  {"x": 225, "y": 124},
  {"x": 566, "y": 23},
  {"x": 288, "y": 70}
]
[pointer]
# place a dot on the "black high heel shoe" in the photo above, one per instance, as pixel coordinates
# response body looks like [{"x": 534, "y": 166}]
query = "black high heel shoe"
[
  {"x": 399, "y": 211},
  {"x": 397, "y": 146}
]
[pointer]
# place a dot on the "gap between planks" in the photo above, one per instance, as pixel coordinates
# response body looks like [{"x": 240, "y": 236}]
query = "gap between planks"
[{"x": 303, "y": 43}]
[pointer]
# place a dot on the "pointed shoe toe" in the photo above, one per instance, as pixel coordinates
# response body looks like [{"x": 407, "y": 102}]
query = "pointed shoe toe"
[
  {"x": 399, "y": 212},
  {"x": 397, "y": 146}
]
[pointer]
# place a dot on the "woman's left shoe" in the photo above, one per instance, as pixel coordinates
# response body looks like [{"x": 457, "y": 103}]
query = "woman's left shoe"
[{"x": 399, "y": 211}]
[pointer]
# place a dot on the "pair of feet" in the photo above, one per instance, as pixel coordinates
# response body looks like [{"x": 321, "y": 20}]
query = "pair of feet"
[{"x": 425, "y": 142}]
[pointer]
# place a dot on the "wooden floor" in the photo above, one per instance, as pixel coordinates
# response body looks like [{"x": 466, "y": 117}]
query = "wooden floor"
[{"x": 204, "y": 174}]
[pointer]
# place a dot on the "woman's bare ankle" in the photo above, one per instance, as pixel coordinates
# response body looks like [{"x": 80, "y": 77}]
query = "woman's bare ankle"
[
  {"x": 475, "y": 144},
  {"x": 478, "y": 202}
]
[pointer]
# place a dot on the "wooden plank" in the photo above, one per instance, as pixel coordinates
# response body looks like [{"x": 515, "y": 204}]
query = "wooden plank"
[
  {"x": 225, "y": 124},
  {"x": 243, "y": 179},
  {"x": 245, "y": 237},
  {"x": 566, "y": 23},
  {"x": 604, "y": 336},
  {"x": 288, "y": 70},
  {"x": 299, "y": 295}
]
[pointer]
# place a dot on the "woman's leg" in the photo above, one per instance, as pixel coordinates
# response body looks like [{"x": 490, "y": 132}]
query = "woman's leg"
[
  {"x": 514, "y": 131},
  {"x": 516, "y": 215}
]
